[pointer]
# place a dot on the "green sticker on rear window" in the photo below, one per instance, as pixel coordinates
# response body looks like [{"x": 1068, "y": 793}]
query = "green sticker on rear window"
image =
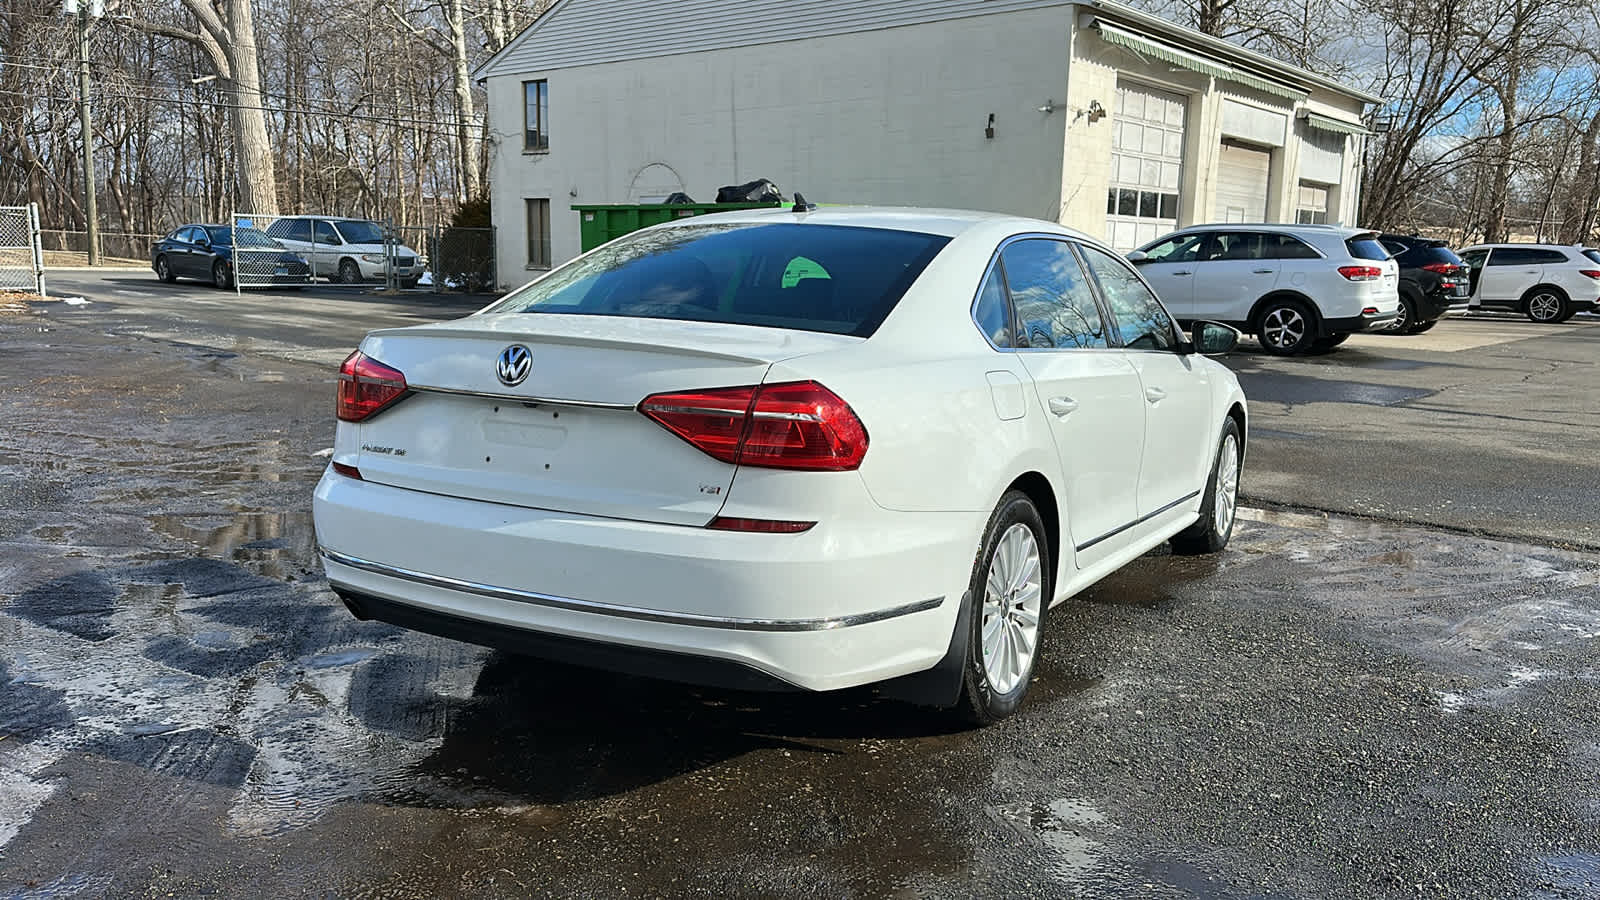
[{"x": 799, "y": 268}]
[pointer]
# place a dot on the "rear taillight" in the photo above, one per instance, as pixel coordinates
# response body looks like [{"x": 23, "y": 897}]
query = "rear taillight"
[
  {"x": 796, "y": 425},
  {"x": 1592, "y": 273},
  {"x": 1361, "y": 273},
  {"x": 347, "y": 471},
  {"x": 1443, "y": 268},
  {"x": 366, "y": 386}
]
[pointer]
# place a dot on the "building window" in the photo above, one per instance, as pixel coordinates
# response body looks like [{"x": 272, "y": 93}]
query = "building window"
[
  {"x": 535, "y": 115},
  {"x": 538, "y": 234},
  {"x": 1312, "y": 205}
]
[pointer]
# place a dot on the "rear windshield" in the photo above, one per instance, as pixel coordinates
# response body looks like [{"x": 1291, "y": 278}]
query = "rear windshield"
[
  {"x": 829, "y": 278},
  {"x": 1366, "y": 247},
  {"x": 1421, "y": 256}
]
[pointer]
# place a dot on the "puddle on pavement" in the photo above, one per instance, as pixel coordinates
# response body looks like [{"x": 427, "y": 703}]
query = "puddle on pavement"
[{"x": 274, "y": 544}]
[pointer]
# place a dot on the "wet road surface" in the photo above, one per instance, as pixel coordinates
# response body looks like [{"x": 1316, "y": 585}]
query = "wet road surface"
[{"x": 1331, "y": 708}]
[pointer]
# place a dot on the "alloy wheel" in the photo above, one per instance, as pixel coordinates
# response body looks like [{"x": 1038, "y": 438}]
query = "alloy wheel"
[
  {"x": 1011, "y": 609},
  {"x": 1544, "y": 307},
  {"x": 1284, "y": 327},
  {"x": 1402, "y": 319},
  {"x": 1227, "y": 498}
]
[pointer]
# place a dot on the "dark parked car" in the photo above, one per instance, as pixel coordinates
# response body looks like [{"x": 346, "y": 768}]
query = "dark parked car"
[
  {"x": 1433, "y": 281},
  {"x": 206, "y": 252}
]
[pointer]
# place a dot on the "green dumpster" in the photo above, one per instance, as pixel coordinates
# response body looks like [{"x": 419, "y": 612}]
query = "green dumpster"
[{"x": 601, "y": 222}]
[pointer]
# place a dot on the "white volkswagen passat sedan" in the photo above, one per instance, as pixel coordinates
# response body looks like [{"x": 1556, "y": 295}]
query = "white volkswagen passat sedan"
[{"x": 802, "y": 449}]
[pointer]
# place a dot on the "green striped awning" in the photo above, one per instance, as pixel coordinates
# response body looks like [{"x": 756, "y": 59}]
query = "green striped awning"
[
  {"x": 1337, "y": 126},
  {"x": 1167, "y": 53}
]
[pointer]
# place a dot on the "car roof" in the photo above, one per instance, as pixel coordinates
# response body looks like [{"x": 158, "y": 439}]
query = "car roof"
[
  {"x": 944, "y": 222},
  {"x": 324, "y": 218},
  {"x": 1278, "y": 228},
  {"x": 1509, "y": 245}
]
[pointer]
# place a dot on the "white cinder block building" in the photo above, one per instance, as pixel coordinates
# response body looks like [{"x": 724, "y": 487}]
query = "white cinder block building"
[{"x": 1081, "y": 111}]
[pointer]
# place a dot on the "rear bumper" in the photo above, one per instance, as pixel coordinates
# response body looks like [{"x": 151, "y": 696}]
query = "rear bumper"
[
  {"x": 844, "y": 604},
  {"x": 1436, "y": 303},
  {"x": 1364, "y": 322}
]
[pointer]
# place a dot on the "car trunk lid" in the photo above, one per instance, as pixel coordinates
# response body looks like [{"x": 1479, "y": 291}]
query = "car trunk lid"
[{"x": 568, "y": 436}]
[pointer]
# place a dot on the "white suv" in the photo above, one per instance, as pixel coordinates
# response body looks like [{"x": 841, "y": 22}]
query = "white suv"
[
  {"x": 1545, "y": 282},
  {"x": 350, "y": 251},
  {"x": 1297, "y": 288}
]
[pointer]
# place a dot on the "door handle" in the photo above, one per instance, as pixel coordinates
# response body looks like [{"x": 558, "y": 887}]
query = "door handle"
[
  {"x": 1155, "y": 394},
  {"x": 1063, "y": 406},
  {"x": 1183, "y": 272},
  {"x": 1263, "y": 271}
]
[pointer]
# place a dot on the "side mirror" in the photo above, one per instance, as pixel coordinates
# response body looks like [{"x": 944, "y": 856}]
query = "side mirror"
[
  {"x": 1213, "y": 338},
  {"x": 203, "y": 241},
  {"x": 1137, "y": 256}
]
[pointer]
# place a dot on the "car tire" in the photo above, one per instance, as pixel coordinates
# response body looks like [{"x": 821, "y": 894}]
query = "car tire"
[
  {"x": 1420, "y": 327},
  {"x": 1286, "y": 327},
  {"x": 1405, "y": 317},
  {"x": 349, "y": 272},
  {"x": 1012, "y": 581},
  {"x": 1210, "y": 533},
  {"x": 1546, "y": 305},
  {"x": 222, "y": 275},
  {"x": 164, "y": 270}
]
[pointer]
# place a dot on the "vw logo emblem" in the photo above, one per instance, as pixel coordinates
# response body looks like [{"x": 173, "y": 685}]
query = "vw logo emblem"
[{"x": 513, "y": 365}]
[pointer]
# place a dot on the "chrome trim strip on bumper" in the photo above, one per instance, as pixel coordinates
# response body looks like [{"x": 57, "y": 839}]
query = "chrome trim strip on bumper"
[
  {"x": 521, "y": 398},
  {"x": 627, "y": 612}
]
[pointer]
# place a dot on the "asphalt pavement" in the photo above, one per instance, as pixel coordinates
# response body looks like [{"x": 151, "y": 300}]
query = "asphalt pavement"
[{"x": 1336, "y": 706}]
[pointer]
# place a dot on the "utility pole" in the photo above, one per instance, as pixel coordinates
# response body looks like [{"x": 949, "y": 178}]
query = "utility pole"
[{"x": 83, "y": 9}]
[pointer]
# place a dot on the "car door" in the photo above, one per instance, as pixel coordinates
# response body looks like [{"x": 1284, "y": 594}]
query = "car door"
[
  {"x": 1474, "y": 260},
  {"x": 1180, "y": 427},
  {"x": 188, "y": 256},
  {"x": 1507, "y": 274},
  {"x": 1088, "y": 392},
  {"x": 1169, "y": 266},
  {"x": 325, "y": 248},
  {"x": 1231, "y": 276}
]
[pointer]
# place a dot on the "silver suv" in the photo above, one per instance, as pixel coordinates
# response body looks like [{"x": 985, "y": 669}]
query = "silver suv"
[
  {"x": 1298, "y": 288},
  {"x": 350, "y": 251}
]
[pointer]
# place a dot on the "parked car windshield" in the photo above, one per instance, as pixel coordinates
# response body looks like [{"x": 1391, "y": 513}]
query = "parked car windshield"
[
  {"x": 248, "y": 237},
  {"x": 835, "y": 279},
  {"x": 360, "y": 232}
]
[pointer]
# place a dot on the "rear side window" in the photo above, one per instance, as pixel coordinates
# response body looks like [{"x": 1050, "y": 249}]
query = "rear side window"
[
  {"x": 1522, "y": 256},
  {"x": 1549, "y": 257},
  {"x": 1594, "y": 255},
  {"x": 1055, "y": 305},
  {"x": 1366, "y": 247},
  {"x": 991, "y": 312},
  {"x": 828, "y": 278}
]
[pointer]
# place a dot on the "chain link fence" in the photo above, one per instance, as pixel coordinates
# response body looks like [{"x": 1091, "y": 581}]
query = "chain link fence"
[
  {"x": 463, "y": 259},
  {"x": 21, "y": 257},
  {"x": 259, "y": 260}
]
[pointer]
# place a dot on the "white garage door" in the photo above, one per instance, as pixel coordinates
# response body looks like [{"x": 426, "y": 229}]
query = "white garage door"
[
  {"x": 1146, "y": 164},
  {"x": 1242, "y": 174}
]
